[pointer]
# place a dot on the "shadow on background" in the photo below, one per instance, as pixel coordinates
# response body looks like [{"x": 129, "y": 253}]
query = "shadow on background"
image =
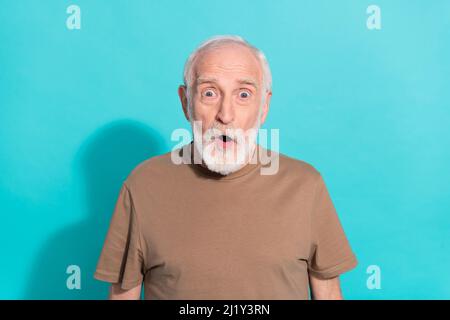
[{"x": 104, "y": 161}]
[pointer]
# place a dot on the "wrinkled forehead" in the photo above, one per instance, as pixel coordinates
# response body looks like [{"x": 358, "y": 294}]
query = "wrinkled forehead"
[{"x": 232, "y": 61}]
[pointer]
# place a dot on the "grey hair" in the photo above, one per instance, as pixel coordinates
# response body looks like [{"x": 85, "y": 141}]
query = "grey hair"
[{"x": 217, "y": 41}]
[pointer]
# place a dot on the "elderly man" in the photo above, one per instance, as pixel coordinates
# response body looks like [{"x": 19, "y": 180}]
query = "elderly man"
[{"x": 216, "y": 226}]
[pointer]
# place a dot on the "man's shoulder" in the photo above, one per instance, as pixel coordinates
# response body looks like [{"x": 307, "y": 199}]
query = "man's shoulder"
[
  {"x": 153, "y": 168},
  {"x": 295, "y": 167},
  {"x": 293, "y": 170}
]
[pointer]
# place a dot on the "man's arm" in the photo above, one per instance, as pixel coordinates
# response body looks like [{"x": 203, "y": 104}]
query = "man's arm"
[
  {"x": 117, "y": 293},
  {"x": 325, "y": 289}
]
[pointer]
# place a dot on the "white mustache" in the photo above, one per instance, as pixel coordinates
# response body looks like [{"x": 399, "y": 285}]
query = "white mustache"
[{"x": 216, "y": 133}]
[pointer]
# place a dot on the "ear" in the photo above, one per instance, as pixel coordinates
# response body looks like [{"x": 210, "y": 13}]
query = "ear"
[
  {"x": 182, "y": 93},
  {"x": 266, "y": 107}
]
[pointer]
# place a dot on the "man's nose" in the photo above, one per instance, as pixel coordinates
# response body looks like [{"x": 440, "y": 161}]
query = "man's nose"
[{"x": 226, "y": 112}]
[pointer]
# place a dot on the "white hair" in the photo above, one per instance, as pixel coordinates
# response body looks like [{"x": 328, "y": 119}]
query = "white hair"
[{"x": 217, "y": 41}]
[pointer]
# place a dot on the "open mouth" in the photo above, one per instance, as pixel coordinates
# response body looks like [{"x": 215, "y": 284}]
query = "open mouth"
[
  {"x": 225, "y": 138},
  {"x": 224, "y": 141}
]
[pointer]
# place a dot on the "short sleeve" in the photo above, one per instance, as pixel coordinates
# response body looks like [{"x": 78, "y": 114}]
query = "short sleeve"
[
  {"x": 121, "y": 259},
  {"x": 330, "y": 252}
]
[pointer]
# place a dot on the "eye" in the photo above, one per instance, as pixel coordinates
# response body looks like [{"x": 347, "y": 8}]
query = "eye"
[
  {"x": 244, "y": 94},
  {"x": 209, "y": 93}
]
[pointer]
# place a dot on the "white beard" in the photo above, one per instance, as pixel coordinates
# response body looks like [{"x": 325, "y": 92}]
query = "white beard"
[{"x": 225, "y": 161}]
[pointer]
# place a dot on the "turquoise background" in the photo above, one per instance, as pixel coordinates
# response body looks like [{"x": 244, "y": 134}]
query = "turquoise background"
[{"x": 370, "y": 109}]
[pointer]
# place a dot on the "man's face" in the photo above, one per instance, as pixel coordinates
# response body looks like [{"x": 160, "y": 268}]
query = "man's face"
[{"x": 227, "y": 100}]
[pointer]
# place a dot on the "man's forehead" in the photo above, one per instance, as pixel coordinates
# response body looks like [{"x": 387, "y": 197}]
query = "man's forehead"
[
  {"x": 233, "y": 61},
  {"x": 214, "y": 79}
]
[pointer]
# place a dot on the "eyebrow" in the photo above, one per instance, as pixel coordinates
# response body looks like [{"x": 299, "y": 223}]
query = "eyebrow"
[{"x": 248, "y": 81}]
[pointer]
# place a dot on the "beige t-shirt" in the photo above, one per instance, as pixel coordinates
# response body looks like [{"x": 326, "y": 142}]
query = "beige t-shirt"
[{"x": 188, "y": 233}]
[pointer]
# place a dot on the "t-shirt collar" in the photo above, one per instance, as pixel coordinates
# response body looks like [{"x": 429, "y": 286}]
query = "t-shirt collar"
[{"x": 253, "y": 164}]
